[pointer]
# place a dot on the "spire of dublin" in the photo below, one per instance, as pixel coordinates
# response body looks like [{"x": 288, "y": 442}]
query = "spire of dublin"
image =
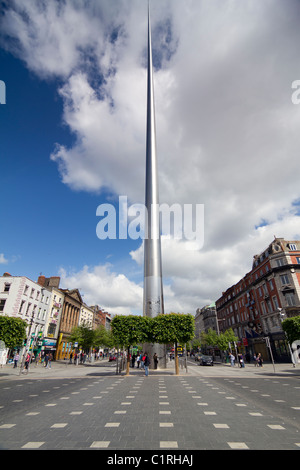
[{"x": 153, "y": 303}]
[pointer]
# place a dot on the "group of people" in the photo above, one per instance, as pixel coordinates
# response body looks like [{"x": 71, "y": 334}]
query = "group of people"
[
  {"x": 258, "y": 360},
  {"x": 144, "y": 361}
]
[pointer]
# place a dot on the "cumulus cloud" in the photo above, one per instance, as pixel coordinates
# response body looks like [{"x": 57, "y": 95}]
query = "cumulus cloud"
[
  {"x": 117, "y": 293},
  {"x": 227, "y": 131},
  {"x": 3, "y": 260}
]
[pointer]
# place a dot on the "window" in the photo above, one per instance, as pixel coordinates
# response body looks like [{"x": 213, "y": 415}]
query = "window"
[
  {"x": 263, "y": 308},
  {"x": 293, "y": 247},
  {"x": 284, "y": 279},
  {"x": 280, "y": 262},
  {"x": 7, "y": 285},
  {"x": 269, "y": 306},
  {"x": 290, "y": 299},
  {"x": 2, "y": 304},
  {"x": 26, "y": 290},
  {"x": 298, "y": 259},
  {"x": 27, "y": 309},
  {"x": 275, "y": 302},
  {"x": 265, "y": 289},
  {"x": 31, "y": 294},
  {"x": 271, "y": 284},
  {"x": 21, "y": 306}
]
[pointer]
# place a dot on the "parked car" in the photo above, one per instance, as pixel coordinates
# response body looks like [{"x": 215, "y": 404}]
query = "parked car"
[{"x": 206, "y": 361}]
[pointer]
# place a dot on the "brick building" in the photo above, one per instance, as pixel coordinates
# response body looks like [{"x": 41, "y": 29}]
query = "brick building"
[{"x": 270, "y": 292}]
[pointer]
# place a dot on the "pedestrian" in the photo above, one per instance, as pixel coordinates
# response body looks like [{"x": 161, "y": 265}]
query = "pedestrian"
[
  {"x": 27, "y": 361},
  {"x": 138, "y": 360},
  {"x": 255, "y": 360},
  {"x": 260, "y": 360},
  {"x": 147, "y": 363},
  {"x": 232, "y": 359},
  {"x": 241, "y": 360},
  {"x": 71, "y": 357},
  {"x": 133, "y": 360},
  {"x": 16, "y": 359},
  {"x": 46, "y": 360},
  {"x": 155, "y": 359}
]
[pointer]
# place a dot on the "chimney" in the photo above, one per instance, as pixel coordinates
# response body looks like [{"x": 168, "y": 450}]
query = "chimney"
[{"x": 41, "y": 281}]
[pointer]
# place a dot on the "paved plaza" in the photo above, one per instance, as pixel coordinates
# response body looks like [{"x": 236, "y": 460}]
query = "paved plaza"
[{"x": 90, "y": 407}]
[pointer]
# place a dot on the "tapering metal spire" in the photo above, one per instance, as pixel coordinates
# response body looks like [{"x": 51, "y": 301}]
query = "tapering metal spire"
[{"x": 153, "y": 286}]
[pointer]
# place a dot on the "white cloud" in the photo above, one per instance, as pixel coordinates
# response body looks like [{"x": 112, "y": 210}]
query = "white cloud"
[
  {"x": 100, "y": 285},
  {"x": 227, "y": 131},
  {"x": 3, "y": 260}
]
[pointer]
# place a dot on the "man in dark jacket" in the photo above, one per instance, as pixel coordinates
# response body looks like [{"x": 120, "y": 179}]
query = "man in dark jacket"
[{"x": 147, "y": 363}]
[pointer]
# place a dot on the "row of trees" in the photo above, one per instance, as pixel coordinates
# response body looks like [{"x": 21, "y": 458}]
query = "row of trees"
[
  {"x": 132, "y": 330},
  {"x": 174, "y": 328},
  {"x": 211, "y": 338}
]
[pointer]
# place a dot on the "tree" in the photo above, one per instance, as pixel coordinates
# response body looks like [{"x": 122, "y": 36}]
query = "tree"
[
  {"x": 175, "y": 328},
  {"x": 225, "y": 338},
  {"x": 291, "y": 326},
  {"x": 103, "y": 337},
  {"x": 12, "y": 331},
  {"x": 130, "y": 330},
  {"x": 83, "y": 336}
]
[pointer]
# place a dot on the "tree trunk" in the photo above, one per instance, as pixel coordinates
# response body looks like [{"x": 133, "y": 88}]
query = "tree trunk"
[{"x": 128, "y": 361}]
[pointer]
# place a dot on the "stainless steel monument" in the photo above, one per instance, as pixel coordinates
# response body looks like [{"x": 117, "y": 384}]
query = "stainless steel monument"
[{"x": 153, "y": 285}]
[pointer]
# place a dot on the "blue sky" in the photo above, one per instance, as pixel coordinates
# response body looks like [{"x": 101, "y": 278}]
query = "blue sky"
[
  {"x": 73, "y": 133},
  {"x": 45, "y": 225}
]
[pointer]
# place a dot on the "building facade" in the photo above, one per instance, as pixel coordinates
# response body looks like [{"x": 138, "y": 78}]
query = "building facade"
[
  {"x": 101, "y": 317},
  {"x": 23, "y": 298},
  {"x": 205, "y": 319},
  {"x": 256, "y": 305},
  {"x": 86, "y": 317},
  {"x": 69, "y": 319}
]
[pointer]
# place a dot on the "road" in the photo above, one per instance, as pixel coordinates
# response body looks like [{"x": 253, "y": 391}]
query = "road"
[{"x": 209, "y": 408}]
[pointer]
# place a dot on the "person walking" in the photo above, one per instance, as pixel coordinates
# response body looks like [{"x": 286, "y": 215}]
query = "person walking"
[
  {"x": 232, "y": 360},
  {"x": 46, "y": 361},
  {"x": 241, "y": 360},
  {"x": 147, "y": 363},
  {"x": 155, "y": 359},
  {"x": 27, "y": 361},
  {"x": 133, "y": 360},
  {"x": 16, "y": 359}
]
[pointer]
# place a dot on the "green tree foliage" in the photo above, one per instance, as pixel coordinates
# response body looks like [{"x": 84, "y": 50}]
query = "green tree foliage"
[
  {"x": 129, "y": 330},
  {"x": 12, "y": 331},
  {"x": 175, "y": 328},
  {"x": 291, "y": 326},
  {"x": 211, "y": 338},
  {"x": 171, "y": 328},
  {"x": 88, "y": 338}
]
